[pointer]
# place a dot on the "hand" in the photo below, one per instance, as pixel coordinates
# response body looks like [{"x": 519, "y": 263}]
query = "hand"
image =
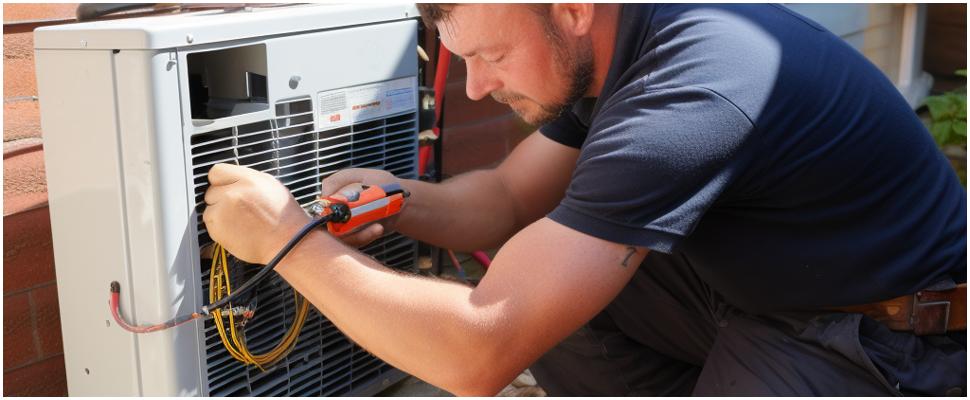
[
  {"x": 348, "y": 182},
  {"x": 250, "y": 213}
]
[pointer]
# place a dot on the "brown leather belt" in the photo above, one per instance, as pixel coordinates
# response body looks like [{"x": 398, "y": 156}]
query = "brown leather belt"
[{"x": 925, "y": 313}]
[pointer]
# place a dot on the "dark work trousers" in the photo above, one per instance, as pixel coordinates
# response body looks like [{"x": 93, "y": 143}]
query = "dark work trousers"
[{"x": 668, "y": 333}]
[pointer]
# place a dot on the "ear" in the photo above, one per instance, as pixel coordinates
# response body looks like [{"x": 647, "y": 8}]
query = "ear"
[{"x": 573, "y": 18}]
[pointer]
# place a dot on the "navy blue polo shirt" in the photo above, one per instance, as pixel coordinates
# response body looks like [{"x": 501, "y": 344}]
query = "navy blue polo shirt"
[{"x": 780, "y": 162}]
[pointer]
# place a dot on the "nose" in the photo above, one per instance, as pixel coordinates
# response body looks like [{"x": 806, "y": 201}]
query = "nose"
[{"x": 479, "y": 80}]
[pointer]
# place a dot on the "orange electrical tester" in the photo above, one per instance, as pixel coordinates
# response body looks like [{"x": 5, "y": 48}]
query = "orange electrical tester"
[{"x": 374, "y": 203}]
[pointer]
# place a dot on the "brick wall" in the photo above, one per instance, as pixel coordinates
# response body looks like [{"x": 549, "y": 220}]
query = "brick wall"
[
  {"x": 33, "y": 355},
  {"x": 477, "y": 134},
  {"x": 945, "y": 49}
]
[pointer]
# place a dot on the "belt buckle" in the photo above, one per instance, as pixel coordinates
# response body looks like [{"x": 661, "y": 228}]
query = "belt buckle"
[{"x": 931, "y": 314}]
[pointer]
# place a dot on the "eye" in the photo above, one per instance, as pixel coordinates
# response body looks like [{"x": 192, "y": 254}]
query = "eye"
[{"x": 499, "y": 59}]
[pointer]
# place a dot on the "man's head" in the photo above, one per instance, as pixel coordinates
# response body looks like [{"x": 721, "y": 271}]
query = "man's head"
[{"x": 537, "y": 58}]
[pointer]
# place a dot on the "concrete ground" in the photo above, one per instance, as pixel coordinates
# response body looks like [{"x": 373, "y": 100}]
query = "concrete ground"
[
  {"x": 523, "y": 386},
  {"x": 414, "y": 387}
]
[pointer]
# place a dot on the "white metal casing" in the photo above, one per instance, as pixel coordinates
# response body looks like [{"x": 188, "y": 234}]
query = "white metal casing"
[{"x": 117, "y": 123}]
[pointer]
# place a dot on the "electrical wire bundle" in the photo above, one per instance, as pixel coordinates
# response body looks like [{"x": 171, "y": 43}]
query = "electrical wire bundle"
[{"x": 235, "y": 343}]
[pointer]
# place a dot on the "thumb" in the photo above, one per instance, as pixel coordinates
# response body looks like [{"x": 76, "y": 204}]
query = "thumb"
[
  {"x": 340, "y": 180},
  {"x": 349, "y": 190},
  {"x": 225, "y": 174}
]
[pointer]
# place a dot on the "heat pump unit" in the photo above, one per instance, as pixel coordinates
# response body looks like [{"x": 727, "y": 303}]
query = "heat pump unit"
[{"x": 135, "y": 112}]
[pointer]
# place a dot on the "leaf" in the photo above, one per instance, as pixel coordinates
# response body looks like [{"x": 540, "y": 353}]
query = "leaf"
[
  {"x": 941, "y": 131},
  {"x": 937, "y": 106},
  {"x": 962, "y": 107},
  {"x": 960, "y": 129},
  {"x": 961, "y": 72}
]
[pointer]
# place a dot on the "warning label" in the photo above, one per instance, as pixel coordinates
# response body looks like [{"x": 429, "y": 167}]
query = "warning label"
[{"x": 359, "y": 103}]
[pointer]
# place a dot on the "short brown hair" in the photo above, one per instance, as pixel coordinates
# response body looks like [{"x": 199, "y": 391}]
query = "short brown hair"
[{"x": 431, "y": 13}]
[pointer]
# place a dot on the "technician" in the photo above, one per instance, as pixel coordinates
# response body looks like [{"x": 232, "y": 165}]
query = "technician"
[{"x": 720, "y": 200}]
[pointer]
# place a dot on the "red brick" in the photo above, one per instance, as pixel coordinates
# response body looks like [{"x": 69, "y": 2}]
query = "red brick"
[
  {"x": 18, "y": 65},
  {"x": 482, "y": 145},
  {"x": 21, "y": 120},
  {"x": 44, "y": 378},
  {"x": 28, "y": 253},
  {"x": 18, "y": 332},
  {"x": 24, "y": 181},
  {"x": 945, "y": 47},
  {"x": 48, "y": 319},
  {"x": 459, "y": 109},
  {"x": 25, "y": 12}
]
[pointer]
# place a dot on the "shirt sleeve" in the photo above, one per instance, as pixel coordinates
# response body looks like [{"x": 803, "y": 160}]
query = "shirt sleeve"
[
  {"x": 653, "y": 164},
  {"x": 567, "y": 130}
]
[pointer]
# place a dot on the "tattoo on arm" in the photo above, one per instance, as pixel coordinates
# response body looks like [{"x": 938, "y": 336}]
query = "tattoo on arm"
[{"x": 630, "y": 252}]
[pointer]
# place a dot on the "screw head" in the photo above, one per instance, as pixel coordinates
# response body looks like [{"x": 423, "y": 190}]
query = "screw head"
[{"x": 316, "y": 208}]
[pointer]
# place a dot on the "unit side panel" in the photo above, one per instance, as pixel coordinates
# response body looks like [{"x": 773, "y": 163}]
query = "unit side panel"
[
  {"x": 162, "y": 274},
  {"x": 76, "y": 90}
]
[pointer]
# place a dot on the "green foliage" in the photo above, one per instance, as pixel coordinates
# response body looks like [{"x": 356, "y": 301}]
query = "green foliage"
[{"x": 948, "y": 115}]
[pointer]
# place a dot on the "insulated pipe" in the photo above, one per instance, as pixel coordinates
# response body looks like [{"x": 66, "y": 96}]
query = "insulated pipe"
[
  {"x": 440, "y": 80},
  {"x": 442, "y": 63},
  {"x": 424, "y": 153}
]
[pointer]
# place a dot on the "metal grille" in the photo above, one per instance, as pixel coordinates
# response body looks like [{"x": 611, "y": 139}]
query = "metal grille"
[{"x": 324, "y": 362}]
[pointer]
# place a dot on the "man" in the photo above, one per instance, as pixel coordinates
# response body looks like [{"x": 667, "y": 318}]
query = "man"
[{"x": 710, "y": 186}]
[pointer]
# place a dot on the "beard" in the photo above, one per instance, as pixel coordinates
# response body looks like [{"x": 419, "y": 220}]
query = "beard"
[{"x": 575, "y": 65}]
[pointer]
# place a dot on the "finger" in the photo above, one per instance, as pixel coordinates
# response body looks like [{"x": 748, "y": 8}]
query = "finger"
[
  {"x": 208, "y": 218},
  {"x": 215, "y": 193},
  {"x": 364, "y": 236},
  {"x": 225, "y": 174},
  {"x": 342, "y": 178}
]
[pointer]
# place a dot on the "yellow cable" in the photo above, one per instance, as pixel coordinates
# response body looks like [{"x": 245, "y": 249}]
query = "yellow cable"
[
  {"x": 215, "y": 293},
  {"x": 232, "y": 319},
  {"x": 235, "y": 343}
]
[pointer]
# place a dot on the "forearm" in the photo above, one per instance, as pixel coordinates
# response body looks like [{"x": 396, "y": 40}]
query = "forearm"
[
  {"x": 417, "y": 324},
  {"x": 469, "y": 212}
]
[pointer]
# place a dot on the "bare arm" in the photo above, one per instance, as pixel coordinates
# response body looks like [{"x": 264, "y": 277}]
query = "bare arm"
[
  {"x": 480, "y": 209},
  {"x": 544, "y": 283}
]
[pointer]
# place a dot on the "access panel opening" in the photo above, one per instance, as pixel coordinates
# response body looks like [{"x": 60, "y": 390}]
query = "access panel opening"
[{"x": 228, "y": 82}]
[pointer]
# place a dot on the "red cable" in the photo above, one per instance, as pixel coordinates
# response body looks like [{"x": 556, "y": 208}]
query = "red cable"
[
  {"x": 113, "y": 303},
  {"x": 457, "y": 264},
  {"x": 440, "y": 81},
  {"x": 424, "y": 153},
  {"x": 482, "y": 258}
]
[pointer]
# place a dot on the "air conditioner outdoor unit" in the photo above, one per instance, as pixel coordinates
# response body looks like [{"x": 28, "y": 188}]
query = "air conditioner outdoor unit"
[{"x": 135, "y": 112}]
